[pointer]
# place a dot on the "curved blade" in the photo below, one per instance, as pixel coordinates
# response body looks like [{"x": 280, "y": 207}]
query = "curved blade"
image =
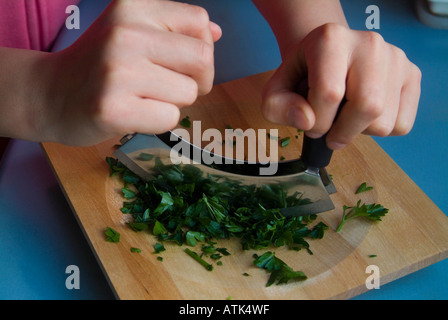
[{"x": 292, "y": 176}]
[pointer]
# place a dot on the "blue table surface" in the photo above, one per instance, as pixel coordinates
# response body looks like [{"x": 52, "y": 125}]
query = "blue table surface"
[{"x": 40, "y": 236}]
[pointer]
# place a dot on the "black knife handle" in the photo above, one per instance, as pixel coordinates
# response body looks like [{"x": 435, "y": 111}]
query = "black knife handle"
[{"x": 315, "y": 152}]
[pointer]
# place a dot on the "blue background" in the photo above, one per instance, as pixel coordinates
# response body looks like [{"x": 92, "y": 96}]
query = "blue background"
[{"x": 40, "y": 237}]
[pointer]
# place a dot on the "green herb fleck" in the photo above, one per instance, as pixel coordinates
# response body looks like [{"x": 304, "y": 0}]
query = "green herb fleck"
[
  {"x": 112, "y": 235},
  {"x": 196, "y": 257},
  {"x": 145, "y": 156},
  {"x": 138, "y": 226},
  {"x": 185, "y": 122},
  {"x": 158, "y": 247},
  {"x": 138, "y": 250},
  {"x": 285, "y": 141},
  {"x": 128, "y": 194},
  {"x": 363, "y": 188}
]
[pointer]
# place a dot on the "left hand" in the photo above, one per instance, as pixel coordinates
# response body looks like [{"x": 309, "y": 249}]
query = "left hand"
[{"x": 380, "y": 85}]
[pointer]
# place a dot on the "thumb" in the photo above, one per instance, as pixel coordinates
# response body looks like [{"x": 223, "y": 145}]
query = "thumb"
[{"x": 284, "y": 96}]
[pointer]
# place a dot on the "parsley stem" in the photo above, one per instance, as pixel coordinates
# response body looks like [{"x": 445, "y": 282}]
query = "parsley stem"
[
  {"x": 340, "y": 225},
  {"x": 196, "y": 257}
]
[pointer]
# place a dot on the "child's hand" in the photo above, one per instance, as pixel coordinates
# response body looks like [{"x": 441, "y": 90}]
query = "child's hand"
[
  {"x": 381, "y": 86},
  {"x": 131, "y": 71}
]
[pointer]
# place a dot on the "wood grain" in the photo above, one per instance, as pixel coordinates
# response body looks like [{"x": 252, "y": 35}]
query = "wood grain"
[{"x": 412, "y": 236}]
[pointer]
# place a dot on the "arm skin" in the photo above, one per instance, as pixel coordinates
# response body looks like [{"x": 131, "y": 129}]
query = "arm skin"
[
  {"x": 21, "y": 98},
  {"x": 292, "y": 20},
  {"x": 380, "y": 85}
]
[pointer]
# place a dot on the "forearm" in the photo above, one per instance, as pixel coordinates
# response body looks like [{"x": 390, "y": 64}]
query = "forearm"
[
  {"x": 21, "y": 94},
  {"x": 292, "y": 20}
]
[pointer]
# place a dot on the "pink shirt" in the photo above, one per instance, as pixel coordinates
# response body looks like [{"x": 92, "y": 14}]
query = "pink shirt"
[{"x": 31, "y": 24}]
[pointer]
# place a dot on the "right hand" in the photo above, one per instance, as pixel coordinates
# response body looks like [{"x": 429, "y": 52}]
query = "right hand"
[{"x": 131, "y": 71}]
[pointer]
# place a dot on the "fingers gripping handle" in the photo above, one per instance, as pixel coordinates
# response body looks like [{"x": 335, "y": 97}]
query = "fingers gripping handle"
[{"x": 315, "y": 152}]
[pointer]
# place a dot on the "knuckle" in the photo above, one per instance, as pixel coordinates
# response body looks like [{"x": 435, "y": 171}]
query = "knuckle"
[
  {"x": 372, "y": 106},
  {"x": 325, "y": 36},
  {"x": 200, "y": 14},
  {"x": 332, "y": 93},
  {"x": 374, "y": 39},
  {"x": 400, "y": 54},
  {"x": 331, "y": 31}
]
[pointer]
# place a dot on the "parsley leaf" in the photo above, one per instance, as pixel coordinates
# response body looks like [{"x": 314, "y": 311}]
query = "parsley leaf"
[
  {"x": 372, "y": 212},
  {"x": 280, "y": 271},
  {"x": 363, "y": 188}
]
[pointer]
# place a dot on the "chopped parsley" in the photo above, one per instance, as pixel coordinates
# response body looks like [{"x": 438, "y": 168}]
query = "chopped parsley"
[
  {"x": 112, "y": 235},
  {"x": 279, "y": 270},
  {"x": 183, "y": 205},
  {"x": 185, "y": 122},
  {"x": 285, "y": 141}
]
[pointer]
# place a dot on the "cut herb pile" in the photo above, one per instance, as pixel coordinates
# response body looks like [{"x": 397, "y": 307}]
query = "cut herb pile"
[
  {"x": 183, "y": 205},
  {"x": 186, "y": 206}
]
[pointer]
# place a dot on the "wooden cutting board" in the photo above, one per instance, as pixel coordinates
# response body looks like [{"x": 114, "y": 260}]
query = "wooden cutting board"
[{"x": 413, "y": 235}]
